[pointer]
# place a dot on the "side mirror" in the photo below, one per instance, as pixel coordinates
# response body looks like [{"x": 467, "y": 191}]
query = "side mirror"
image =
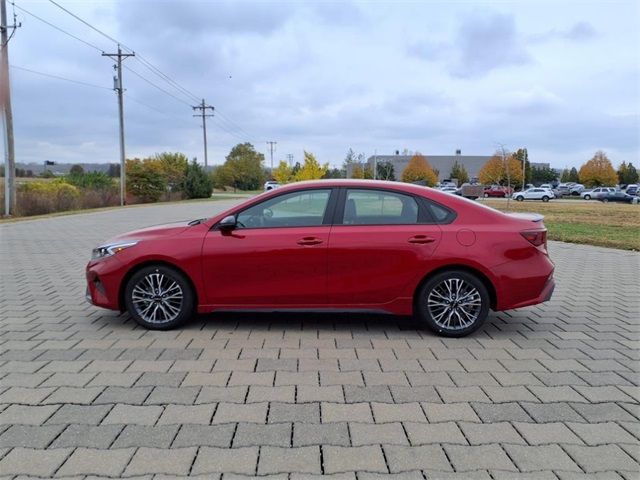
[{"x": 228, "y": 223}]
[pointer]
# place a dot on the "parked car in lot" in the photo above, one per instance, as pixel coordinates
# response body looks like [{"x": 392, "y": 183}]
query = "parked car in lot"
[
  {"x": 576, "y": 189},
  {"x": 270, "y": 185},
  {"x": 619, "y": 197},
  {"x": 331, "y": 245},
  {"x": 596, "y": 193},
  {"x": 632, "y": 190},
  {"x": 448, "y": 189},
  {"x": 497, "y": 191},
  {"x": 543, "y": 194},
  {"x": 565, "y": 188}
]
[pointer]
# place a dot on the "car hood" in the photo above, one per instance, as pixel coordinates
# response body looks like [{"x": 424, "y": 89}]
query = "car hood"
[{"x": 155, "y": 231}]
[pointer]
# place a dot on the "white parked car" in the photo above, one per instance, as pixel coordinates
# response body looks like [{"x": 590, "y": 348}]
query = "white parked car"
[
  {"x": 597, "y": 192},
  {"x": 538, "y": 193},
  {"x": 448, "y": 189},
  {"x": 270, "y": 185}
]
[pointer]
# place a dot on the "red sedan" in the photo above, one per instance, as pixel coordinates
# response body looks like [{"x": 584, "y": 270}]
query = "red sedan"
[
  {"x": 498, "y": 191},
  {"x": 331, "y": 245}
]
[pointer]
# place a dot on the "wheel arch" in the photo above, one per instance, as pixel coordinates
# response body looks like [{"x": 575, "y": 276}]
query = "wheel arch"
[
  {"x": 486, "y": 281},
  {"x": 148, "y": 263}
]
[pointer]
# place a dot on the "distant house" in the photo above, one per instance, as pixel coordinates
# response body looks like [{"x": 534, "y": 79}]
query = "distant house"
[{"x": 442, "y": 163}]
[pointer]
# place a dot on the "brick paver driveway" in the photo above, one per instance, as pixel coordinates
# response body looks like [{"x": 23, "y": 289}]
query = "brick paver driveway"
[{"x": 546, "y": 392}]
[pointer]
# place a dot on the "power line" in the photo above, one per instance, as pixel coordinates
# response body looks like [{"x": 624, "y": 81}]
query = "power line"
[
  {"x": 91, "y": 45},
  {"x": 142, "y": 60},
  {"x": 89, "y": 25},
  {"x": 57, "y": 77},
  {"x": 156, "y": 86}
]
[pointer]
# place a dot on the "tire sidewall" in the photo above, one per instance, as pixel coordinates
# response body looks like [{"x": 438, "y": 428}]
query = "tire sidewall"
[
  {"x": 424, "y": 314},
  {"x": 188, "y": 301}
]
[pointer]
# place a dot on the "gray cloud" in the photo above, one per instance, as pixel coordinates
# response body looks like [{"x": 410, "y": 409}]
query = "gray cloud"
[
  {"x": 578, "y": 32},
  {"x": 482, "y": 43}
]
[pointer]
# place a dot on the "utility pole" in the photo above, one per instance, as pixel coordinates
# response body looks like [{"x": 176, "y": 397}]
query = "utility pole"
[
  {"x": 290, "y": 159},
  {"x": 271, "y": 148},
  {"x": 7, "y": 114},
  {"x": 117, "y": 86},
  {"x": 203, "y": 107}
]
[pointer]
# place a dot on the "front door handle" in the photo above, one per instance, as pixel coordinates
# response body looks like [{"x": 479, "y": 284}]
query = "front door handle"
[
  {"x": 307, "y": 241},
  {"x": 421, "y": 239}
]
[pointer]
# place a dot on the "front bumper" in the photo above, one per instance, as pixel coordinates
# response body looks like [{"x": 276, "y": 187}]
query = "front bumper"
[{"x": 103, "y": 283}]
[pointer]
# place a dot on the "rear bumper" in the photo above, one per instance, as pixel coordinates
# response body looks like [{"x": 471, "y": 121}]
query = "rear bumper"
[{"x": 525, "y": 282}]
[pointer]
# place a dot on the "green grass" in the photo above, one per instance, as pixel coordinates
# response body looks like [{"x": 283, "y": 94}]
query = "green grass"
[{"x": 591, "y": 223}]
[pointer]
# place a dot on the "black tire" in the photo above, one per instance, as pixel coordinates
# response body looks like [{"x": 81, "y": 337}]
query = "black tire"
[
  {"x": 545, "y": 199},
  {"x": 519, "y": 198},
  {"x": 430, "y": 290},
  {"x": 486, "y": 195},
  {"x": 167, "y": 278},
  {"x": 605, "y": 200},
  {"x": 587, "y": 197}
]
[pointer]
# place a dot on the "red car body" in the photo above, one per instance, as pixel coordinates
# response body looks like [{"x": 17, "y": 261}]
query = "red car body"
[
  {"x": 498, "y": 191},
  {"x": 335, "y": 266}
]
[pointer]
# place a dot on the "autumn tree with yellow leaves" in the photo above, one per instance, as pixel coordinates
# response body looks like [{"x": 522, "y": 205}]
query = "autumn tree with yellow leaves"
[
  {"x": 500, "y": 171},
  {"x": 311, "y": 168},
  {"x": 598, "y": 171},
  {"x": 419, "y": 169},
  {"x": 283, "y": 172}
]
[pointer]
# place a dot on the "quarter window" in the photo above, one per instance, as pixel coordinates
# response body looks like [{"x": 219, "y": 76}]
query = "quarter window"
[
  {"x": 375, "y": 207},
  {"x": 298, "y": 209}
]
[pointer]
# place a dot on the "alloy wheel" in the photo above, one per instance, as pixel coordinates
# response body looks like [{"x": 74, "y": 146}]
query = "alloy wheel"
[
  {"x": 454, "y": 304},
  {"x": 157, "y": 298}
]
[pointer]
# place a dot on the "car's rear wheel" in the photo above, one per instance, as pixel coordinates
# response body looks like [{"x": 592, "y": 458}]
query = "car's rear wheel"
[
  {"x": 545, "y": 199},
  {"x": 159, "y": 297},
  {"x": 605, "y": 200},
  {"x": 453, "y": 303}
]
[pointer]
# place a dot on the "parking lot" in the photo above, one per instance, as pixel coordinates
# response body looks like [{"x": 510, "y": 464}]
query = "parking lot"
[{"x": 547, "y": 392}]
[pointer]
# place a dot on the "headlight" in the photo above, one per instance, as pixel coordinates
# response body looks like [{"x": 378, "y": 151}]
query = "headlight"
[{"x": 108, "y": 250}]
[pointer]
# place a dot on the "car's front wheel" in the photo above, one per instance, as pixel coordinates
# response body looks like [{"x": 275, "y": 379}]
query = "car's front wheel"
[
  {"x": 519, "y": 198},
  {"x": 159, "y": 297},
  {"x": 587, "y": 197},
  {"x": 453, "y": 303}
]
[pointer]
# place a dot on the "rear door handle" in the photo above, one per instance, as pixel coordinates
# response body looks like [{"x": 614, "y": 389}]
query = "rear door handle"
[
  {"x": 307, "y": 241},
  {"x": 421, "y": 239}
]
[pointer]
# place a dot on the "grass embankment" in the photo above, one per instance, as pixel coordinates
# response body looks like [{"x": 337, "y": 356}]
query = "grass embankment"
[{"x": 592, "y": 223}]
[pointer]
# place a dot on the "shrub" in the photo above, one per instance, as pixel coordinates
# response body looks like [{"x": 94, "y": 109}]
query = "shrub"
[
  {"x": 93, "y": 180},
  {"x": 37, "y": 198},
  {"x": 145, "y": 180},
  {"x": 197, "y": 184}
]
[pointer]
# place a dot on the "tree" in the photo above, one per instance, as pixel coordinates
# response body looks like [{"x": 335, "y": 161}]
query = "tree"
[
  {"x": 311, "y": 168},
  {"x": 598, "y": 171},
  {"x": 367, "y": 173},
  {"x": 501, "y": 171},
  {"x": 173, "y": 167},
  {"x": 627, "y": 174},
  {"x": 243, "y": 167},
  {"x": 565, "y": 176},
  {"x": 419, "y": 169},
  {"x": 357, "y": 171},
  {"x": 114, "y": 170},
  {"x": 458, "y": 171},
  {"x": 543, "y": 175},
  {"x": 573, "y": 175},
  {"x": 76, "y": 170},
  {"x": 197, "y": 184},
  {"x": 522, "y": 155},
  {"x": 145, "y": 180},
  {"x": 282, "y": 173},
  {"x": 334, "y": 173},
  {"x": 385, "y": 171}
]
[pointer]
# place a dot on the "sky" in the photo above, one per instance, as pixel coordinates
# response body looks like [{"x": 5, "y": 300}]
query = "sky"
[{"x": 561, "y": 78}]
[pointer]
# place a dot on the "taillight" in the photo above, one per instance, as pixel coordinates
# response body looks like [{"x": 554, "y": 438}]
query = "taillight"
[{"x": 536, "y": 237}]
